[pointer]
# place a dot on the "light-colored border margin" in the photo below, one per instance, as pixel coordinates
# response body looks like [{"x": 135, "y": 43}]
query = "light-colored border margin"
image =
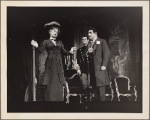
[{"x": 144, "y": 115}]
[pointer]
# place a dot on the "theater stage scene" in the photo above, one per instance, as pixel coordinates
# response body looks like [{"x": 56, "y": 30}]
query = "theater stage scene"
[{"x": 58, "y": 79}]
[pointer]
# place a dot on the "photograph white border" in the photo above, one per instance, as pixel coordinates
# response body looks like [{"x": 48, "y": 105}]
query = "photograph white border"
[{"x": 145, "y": 74}]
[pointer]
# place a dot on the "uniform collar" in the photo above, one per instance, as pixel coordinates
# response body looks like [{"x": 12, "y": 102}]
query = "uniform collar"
[{"x": 52, "y": 38}]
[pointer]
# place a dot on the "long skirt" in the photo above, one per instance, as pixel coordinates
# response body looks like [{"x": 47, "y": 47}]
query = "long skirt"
[{"x": 54, "y": 90}]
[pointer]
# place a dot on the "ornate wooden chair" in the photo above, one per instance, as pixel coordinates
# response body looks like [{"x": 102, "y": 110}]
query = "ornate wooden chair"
[
  {"x": 123, "y": 88},
  {"x": 74, "y": 88}
]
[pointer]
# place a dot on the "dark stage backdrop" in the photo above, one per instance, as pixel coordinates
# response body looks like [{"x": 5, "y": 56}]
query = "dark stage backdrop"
[{"x": 121, "y": 27}]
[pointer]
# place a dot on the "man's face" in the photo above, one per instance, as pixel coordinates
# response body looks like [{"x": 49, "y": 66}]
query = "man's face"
[
  {"x": 91, "y": 34},
  {"x": 54, "y": 32},
  {"x": 85, "y": 40}
]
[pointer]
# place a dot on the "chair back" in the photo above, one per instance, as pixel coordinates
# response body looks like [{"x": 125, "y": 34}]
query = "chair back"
[
  {"x": 122, "y": 83},
  {"x": 75, "y": 84}
]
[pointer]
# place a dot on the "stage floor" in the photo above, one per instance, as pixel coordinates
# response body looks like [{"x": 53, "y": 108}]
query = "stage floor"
[{"x": 58, "y": 107}]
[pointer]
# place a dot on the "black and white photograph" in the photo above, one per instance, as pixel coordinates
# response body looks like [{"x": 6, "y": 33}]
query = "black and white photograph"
[{"x": 78, "y": 58}]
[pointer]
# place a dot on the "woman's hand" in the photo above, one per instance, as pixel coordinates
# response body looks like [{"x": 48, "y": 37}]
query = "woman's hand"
[
  {"x": 34, "y": 43},
  {"x": 79, "y": 72}
]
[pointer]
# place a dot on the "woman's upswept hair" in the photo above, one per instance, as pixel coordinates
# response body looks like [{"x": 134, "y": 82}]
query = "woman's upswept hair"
[{"x": 52, "y": 27}]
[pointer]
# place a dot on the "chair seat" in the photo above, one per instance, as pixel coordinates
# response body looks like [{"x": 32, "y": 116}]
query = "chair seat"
[
  {"x": 75, "y": 90},
  {"x": 126, "y": 92},
  {"x": 108, "y": 94}
]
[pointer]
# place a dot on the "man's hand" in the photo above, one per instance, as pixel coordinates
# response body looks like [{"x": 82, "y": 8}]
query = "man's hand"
[
  {"x": 103, "y": 68},
  {"x": 77, "y": 67},
  {"x": 90, "y": 50},
  {"x": 73, "y": 50},
  {"x": 34, "y": 43},
  {"x": 79, "y": 72}
]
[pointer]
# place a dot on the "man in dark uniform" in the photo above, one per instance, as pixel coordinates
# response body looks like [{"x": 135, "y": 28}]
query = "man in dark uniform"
[
  {"x": 86, "y": 64},
  {"x": 83, "y": 62}
]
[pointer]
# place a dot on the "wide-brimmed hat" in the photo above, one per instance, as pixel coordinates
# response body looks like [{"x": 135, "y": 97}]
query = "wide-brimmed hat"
[{"x": 52, "y": 24}]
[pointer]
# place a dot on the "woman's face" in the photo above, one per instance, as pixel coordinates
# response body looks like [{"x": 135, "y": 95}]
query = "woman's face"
[{"x": 54, "y": 32}]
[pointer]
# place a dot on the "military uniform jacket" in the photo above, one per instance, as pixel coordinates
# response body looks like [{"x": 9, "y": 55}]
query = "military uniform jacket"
[{"x": 83, "y": 59}]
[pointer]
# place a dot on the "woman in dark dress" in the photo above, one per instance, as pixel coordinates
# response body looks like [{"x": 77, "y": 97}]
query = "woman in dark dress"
[{"x": 54, "y": 72}]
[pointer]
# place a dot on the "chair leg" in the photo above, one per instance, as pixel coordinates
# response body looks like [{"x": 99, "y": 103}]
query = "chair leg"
[
  {"x": 135, "y": 93},
  {"x": 112, "y": 97},
  {"x": 67, "y": 97},
  {"x": 80, "y": 99},
  {"x": 129, "y": 98},
  {"x": 118, "y": 97},
  {"x": 135, "y": 97}
]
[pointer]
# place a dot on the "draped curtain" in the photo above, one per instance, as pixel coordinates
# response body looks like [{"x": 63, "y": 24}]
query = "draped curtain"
[
  {"x": 135, "y": 38},
  {"x": 80, "y": 30}
]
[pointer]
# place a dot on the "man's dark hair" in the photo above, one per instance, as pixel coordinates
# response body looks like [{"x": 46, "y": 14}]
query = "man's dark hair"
[
  {"x": 92, "y": 28},
  {"x": 83, "y": 36}
]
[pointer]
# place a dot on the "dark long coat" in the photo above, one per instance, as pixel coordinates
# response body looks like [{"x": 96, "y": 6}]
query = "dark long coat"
[
  {"x": 54, "y": 72},
  {"x": 101, "y": 55}
]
